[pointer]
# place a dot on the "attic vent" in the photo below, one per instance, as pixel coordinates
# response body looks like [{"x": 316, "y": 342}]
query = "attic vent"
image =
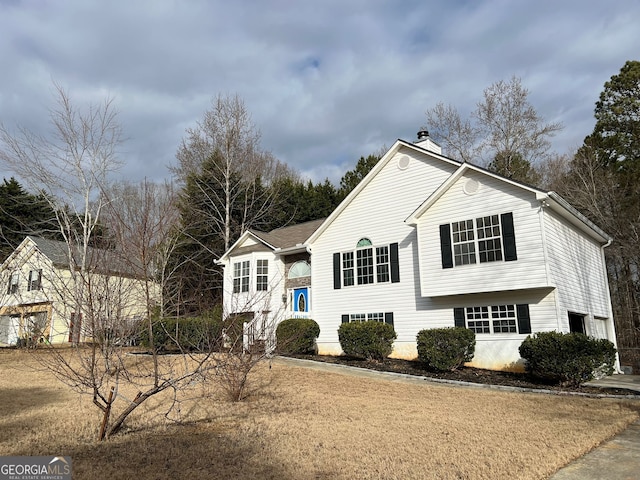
[
  {"x": 471, "y": 186},
  {"x": 403, "y": 162}
]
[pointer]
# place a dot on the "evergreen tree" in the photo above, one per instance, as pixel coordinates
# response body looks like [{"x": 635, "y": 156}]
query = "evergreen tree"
[
  {"x": 353, "y": 177},
  {"x": 512, "y": 165},
  {"x": 22, "y": 214},
  {"x": 603, "y": 182}
]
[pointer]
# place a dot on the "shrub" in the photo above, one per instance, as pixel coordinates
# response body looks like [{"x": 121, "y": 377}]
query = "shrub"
[
  {"x": 567, "y": 358},
  {"x": 202, "y": 333},
  {"x": 297, "y": 335},
  {"x": 446, "y": 348},
  {"x": 371, "y": 340}
]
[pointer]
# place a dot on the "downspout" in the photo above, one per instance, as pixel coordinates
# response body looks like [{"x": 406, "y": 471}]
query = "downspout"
[
  {"x": 610, "y": 321},
  {"x": 545, "y": 255}
]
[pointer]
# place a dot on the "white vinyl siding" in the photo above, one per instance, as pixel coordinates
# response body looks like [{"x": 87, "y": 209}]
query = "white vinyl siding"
[
  {"x": 577, "y": 263},
  {"x": 380, "y": 219},
  {"x": 493, "y": 198}
]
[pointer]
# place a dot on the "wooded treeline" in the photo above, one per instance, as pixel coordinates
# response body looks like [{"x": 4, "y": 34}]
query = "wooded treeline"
[{"x": 224, "y": 182}]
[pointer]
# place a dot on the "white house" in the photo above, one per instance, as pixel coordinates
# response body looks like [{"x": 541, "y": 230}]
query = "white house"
[
  {"x": 427, "y": 242},
  {"x": 267, "y": 278},
  {"x": 39, "y": 294}
]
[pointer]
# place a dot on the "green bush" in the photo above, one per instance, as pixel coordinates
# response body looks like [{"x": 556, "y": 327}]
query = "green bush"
[
  {"x": 297, "y": 335},
  {"x": 371, "y": 340},
  {"x": 446, "y": 348},
  {"x": 567, "y": 358},
  {"x": 203, "y": 333}
]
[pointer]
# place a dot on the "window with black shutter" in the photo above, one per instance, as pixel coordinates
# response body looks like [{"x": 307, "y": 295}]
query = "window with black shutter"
[{"x": 480, "y": 240}]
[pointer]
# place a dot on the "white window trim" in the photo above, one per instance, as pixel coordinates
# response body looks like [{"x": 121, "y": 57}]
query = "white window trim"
[
  {"x": 375, "y": 272},
  {"x": 491, "y": 314},
  {"x": 475, "y": 242}
]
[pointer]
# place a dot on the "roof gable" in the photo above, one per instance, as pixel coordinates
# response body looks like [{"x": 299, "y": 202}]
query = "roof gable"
[
  {"x": 278, "y": 239},
  {"x": 384, "y": 160},
  {"x": 550, "y": 199}
]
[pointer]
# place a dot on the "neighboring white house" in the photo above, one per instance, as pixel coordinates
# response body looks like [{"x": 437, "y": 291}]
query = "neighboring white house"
[
  {"x": 39, "y": 294},
  {"x": 426, "y": 242}
]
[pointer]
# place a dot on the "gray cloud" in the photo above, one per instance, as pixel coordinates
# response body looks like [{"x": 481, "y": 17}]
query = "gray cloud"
[{"x": 326, "y": 82}]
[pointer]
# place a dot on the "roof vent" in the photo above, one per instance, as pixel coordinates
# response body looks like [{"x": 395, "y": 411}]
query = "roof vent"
[{"x": 423, "y": 134}]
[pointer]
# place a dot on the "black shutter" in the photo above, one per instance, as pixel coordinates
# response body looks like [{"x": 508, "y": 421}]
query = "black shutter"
[
  {"x": 445, "y": 246},
  {"x": 395, "y": 263},
  {"x": 388, "y": 318},
  {"x": 524, "y": 321},
  {"x": 336, "y": 271},
  {"x": 508, "y": 237},
  {"x": 458, "y": 317},
  {"x": 345, "y": 318}
]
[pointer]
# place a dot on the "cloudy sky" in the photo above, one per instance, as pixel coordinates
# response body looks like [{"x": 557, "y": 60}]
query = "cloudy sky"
[{"x": 325, "y": 81}]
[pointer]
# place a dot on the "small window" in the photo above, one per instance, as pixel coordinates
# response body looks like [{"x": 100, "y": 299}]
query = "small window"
[
  {"x": 382, "y": 264},
  {"x": 364, "y": 242},
  {"x": 14, "y": 282},
  {"x": 367, "y": 317},
  {"x": 302, "y": 303},
  {"x": 347, "y": 269},
  {"x": 300, "y": 269},
  {"x": 35, "y": 280},
  {"x": 262, "y": 275}
]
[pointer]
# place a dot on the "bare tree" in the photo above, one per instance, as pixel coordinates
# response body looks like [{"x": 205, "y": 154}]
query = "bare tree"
[
  {"x": 224, "y": 152},
  {"x": 459, "y": 138},
  {"x": 95, "y": 294},
  {"x": 142, "y": 220},
  {"x": 504, "y": 133},
  {"x": 71, "y": 168},
  {"x": 510, "y": 125}
]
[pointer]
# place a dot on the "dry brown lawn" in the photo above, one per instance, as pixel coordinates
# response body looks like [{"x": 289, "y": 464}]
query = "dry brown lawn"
[{"x": 308, "y": 424}]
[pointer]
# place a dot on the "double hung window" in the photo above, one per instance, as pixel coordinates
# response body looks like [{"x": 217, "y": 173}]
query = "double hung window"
[
  {"x": 262, "y": 275},
  {"x": 478, "y": 240},
  {"x": 241, "y": 276}
]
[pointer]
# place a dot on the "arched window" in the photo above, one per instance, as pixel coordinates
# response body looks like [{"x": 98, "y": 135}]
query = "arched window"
[
  {"x": 364, "y": 242},
  {"x": 300, "y": 269}
]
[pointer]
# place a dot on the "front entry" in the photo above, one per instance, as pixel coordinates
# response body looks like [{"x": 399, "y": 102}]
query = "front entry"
[{"x": 301, "y": 299}]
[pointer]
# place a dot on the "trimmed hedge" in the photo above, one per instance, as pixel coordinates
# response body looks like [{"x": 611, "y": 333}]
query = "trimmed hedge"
[
  {"x": 446, "y": 349},
  {"x": 203, "y": 333},
  {"x": 567, "y": 358},
  {"x": 297, "y": 335},
  {"x": 371, "y": 340}
]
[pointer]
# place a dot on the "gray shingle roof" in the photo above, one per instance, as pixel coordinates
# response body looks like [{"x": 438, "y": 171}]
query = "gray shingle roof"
[
  {"x": 286, "y": 237},
  {"x": 100, "y": 261}
]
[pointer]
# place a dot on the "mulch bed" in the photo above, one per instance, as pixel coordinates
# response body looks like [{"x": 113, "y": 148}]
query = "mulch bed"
[{"x": 464, "y": 374}]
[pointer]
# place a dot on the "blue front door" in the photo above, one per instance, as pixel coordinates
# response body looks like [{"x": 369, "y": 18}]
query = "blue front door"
[{"x": 301, "y": 299}]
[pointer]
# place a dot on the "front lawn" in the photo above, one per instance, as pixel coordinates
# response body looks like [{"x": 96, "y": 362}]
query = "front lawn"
[{"x": 308, "y": 424}]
